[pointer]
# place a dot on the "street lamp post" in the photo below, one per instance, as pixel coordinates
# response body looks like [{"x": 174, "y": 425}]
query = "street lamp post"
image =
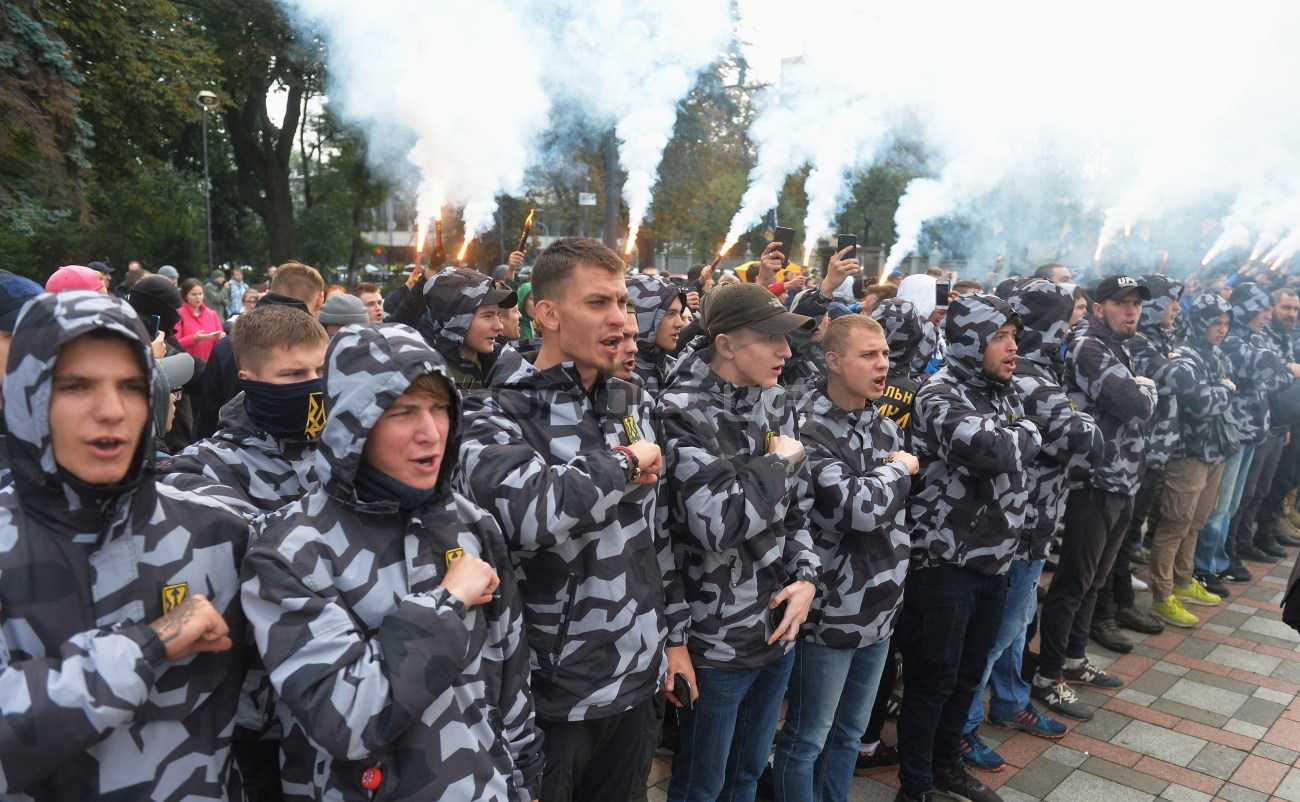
[{"x": 207, "y": 100}]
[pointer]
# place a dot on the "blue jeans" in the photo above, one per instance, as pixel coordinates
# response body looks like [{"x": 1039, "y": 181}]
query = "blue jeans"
[
  {"x": 1008, "y": 693},
  {"x": 831, "y": 695},
  {"x": 727, "y": 736},
  {"x": 1211, "y": 552}
]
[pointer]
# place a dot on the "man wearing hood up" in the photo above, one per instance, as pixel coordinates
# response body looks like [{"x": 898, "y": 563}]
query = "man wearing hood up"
[
  {"x": 969, "y": 506},
  {"x": 1258, "y": 370},
  {"x": 119, "y": 610},
  {"x": 1099, "y": 379},
  {"x": 564, "y": 456},
  {"x": 461, "y": 321},
  {"x": 1071, "y": 442},
  {"x": 920, "y": 291},
  {"x": 1203, "y": 447},
  {"x": 383, "y": 602},
  {"x": 1151, "y": 349},
  {"x": 660, "y": 318},
  {"x": 904, "y": 332}
]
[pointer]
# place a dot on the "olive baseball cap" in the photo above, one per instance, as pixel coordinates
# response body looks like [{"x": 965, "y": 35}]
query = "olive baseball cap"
[{"x": 749, "y": 306}]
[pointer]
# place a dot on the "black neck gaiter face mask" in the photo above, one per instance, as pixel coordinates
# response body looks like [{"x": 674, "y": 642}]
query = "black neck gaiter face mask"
[{"x": 286, "y": 410}]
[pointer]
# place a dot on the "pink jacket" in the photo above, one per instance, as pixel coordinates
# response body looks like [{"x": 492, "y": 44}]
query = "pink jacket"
[{"x": 191, "y": 324}]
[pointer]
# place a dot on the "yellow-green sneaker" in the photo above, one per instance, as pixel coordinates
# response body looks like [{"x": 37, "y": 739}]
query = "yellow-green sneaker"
[
  {"x": 1196, "y": 593},
  {"x": 1171, "y": 610}
]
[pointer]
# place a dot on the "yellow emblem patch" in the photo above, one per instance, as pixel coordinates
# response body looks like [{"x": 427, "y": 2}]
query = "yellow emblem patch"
[
  {"x": 630, "y": 428},
  {"x": 453, "y": 554},
  {"x": 172, "y": 595},
  {"x": 315, "y": 415},
  {"x": 767, "y": 442}
]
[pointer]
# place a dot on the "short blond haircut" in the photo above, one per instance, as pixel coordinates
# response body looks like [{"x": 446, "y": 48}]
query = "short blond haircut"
[
  {"x": 840, "y": 331},
  {"x": 258, "y": 332}
]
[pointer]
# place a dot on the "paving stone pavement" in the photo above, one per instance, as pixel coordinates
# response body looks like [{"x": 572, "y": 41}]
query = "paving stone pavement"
[{"x": 1209, "y": 713}]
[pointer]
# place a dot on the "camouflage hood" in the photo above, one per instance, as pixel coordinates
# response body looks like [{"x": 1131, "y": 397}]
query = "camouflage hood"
[
  {"x": 651, "y": 296},
  {"x": 366, "y": 369},
  {"x": 903, "y": 330},
  {"x": 1248, "y": 300},
  {"x": 47, "y": 324},
  {"x": 1044, "y": 308},
  {"x": 450, "y": 299},
  {"x": 1206, "y": 308},
  {"x": 1165, "y": 292},
  {"x": 973, "y": 319}
]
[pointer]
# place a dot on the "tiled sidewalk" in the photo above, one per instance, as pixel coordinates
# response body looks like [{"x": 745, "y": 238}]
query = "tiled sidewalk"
[{"x": 1207, "y": 713}]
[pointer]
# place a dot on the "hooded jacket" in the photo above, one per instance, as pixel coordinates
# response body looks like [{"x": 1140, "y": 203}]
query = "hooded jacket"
[
  {"x": 451, "y": 298},
  {"x": 651, "y": 296},
  {"x": 970, "y": 498},
  {"x": 1254, "y": 364},
  {"x": 376, "y": 665},
  {"x": 1072, "y": 441},
  {"x": 739, "y": 514},
  {"x": 904, "y": 331},
  {"x": 1152, "y": 351},
  {"x": 856, "y": 521},
  {"x": 1099, "y": 379},
  {"x": 588, "y": 547},
  {"x": 919, "y": 291},
  {"x": 262, "y": 471},
  {"x": 806, "y": 360},
  {"x": 93, "y": 709},
  {"x": 1207, "y": 399}
]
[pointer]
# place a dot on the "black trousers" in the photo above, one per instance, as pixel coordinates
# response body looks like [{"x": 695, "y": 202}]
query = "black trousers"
[
  {"x": 1117, "y": 592},
  {"x": 1284, "y": 480},
  {"x": 605, "y": 758},
  {"x": 1241, "y": 530},
  {"x": 950, "y": 618},
  {"x": 1096, "y": 523}
]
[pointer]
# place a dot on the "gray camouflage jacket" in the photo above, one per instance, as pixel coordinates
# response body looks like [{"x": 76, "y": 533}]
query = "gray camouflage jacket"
[
  {"x": 1099, "y": 379},
  {"x": 651, "y": 296},
  {"x": 1200, "y": 436},
  {"x": 376, "y": 665},
  {"x": 1151, "y": 351},
  {"x": 589, "y": 548},
  {"x": 856, "y": 521},
  {"x": 805, "y": 362},
  {"x": 1254, "y": 364},
  {"x": 263, "y": 471},
  {"x": 1071, "y": 441},
  {"x": 968, "y": 503},
  {"x": 904, "y": 331},
  {"x": 92, "y": 709},
  {"x": 738, "y": 514}
]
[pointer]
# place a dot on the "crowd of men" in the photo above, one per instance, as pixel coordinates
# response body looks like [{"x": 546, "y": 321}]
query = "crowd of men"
[{"x": 471, "y": 541}]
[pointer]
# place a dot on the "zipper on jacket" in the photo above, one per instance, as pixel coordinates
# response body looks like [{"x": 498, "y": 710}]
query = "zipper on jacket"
[
  {"x": 562, "y": 630},
  {"x": 731, "y": 582}
]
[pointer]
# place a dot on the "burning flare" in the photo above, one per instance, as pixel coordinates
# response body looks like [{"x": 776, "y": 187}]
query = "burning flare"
[
  {"x": 726, "y": 246},
  {"x": 460, "y": 257},
  {"x": 528, "y": 226},
  {"x": 631, "y": 243}
]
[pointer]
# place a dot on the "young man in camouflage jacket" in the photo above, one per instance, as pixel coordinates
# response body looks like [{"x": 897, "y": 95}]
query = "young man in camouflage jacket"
[
  {"x": 115, "y": 588},
  {"x": 565, "y": 458},
  {"x": 904, "y": 331},
  {"x": 1099, "y": 379},
  {"x": 860, "y": 479},
  {"x": 660, "y": 318},
  {"x": 968, "y": 508},
  {"x": 738, "y": 486},
  {"x": 1261, "y": 370},
  {"x": 1071, "y": 442},
  {"x": 461, "y": 321},
  {"x": 383, "y": 604},
  {"x": 262, "y": 451},
  {"x": 1193, "y": 475}
]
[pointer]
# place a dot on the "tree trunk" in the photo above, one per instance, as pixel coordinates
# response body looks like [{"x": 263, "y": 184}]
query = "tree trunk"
[{"x": 262, "y": 154}]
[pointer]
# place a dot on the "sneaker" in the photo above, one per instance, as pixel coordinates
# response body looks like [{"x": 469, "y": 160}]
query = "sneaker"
[
  {"x": 1247, "y": 551},
  {"x": 1195, "y": 593},
  {"x": 974, "y": 752},
  {"x": 1138, "y": 621},
  {"x": 955, "y": 782},
  {"x": 1138, "y": 584},
  {"x": 1108, "y": 635},
  {"x": 1236, "y": 574},
  {"x": 1212, "y": 584},
  {"x": 1032, "y": 722},
  {"x": 1171, "y": 611},
  {"x": 1061, "y": 698},
  {"x": 1089, "y": 674},
  {"x": 885, "y": 758}
]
